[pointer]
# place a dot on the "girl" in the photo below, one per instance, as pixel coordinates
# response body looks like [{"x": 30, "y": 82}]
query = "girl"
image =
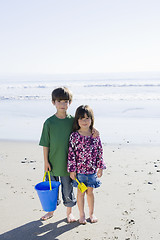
[{"x": 84, "y": 158}]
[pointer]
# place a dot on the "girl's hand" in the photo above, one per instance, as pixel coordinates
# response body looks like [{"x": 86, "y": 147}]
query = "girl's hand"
[
  {"x": 99, "y": 173},
  {"x": 95, "y": 133},
  {"x": 47, "y": 166},
  {"x": 73, "y": 175}
]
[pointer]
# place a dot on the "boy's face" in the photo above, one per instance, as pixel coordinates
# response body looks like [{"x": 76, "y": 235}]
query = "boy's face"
[{"x": 61, "y": 105}]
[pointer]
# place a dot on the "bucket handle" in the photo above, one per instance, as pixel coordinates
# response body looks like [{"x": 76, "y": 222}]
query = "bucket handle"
[{"x": 49, "y": 179}]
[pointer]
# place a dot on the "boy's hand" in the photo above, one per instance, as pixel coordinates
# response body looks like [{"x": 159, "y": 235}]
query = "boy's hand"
[
  {"x": 47, "y": 167},
  {"x": 73, "y": 175},
  {"x": 95, "y": 133},
  {"x": 99, "y": 173}
]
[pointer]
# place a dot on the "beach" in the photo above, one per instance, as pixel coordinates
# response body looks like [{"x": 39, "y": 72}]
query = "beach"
[
  {"x": 127, "y": 116},
  {"x": 107, "y": 53},
  {"x": 126, "y": 204}
]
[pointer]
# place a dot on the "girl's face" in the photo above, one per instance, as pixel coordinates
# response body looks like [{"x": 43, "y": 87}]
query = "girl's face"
[{"x": 85, "y": 122}]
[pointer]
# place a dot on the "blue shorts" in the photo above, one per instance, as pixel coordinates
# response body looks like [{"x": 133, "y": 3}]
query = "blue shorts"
[{"x": 90, "y": 180}]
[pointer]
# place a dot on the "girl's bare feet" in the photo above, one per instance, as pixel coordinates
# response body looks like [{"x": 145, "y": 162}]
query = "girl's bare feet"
[
  {"x": 82, "y": 220},
  {"x": 47, "y": 216},
  {"x": 93, "y": 219}
]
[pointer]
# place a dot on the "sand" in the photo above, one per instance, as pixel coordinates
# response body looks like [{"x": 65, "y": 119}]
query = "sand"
[{"x": 127, "y": 203}]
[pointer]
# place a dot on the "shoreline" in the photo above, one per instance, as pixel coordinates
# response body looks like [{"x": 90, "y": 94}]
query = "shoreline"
[
  {"x": 122, "y": 121},
  {"x": 105, "y": 144},
  {"x": 126, "y": 204}
]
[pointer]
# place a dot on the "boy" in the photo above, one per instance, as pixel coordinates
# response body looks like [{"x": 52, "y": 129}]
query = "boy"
[{"x": 55, "y": 141}]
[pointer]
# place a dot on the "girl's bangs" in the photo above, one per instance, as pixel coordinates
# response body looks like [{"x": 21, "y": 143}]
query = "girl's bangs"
[{"x": 82, "y": 113}]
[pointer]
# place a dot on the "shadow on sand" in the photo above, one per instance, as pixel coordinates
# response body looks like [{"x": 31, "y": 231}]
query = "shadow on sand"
[{"x": 36, "y": 231}]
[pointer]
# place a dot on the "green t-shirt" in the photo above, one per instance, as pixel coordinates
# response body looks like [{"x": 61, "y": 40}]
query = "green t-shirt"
[{"x": 55, "y": 136}]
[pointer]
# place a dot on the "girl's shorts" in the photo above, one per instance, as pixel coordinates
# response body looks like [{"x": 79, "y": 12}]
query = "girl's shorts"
[{"x": 90, "y": 180}]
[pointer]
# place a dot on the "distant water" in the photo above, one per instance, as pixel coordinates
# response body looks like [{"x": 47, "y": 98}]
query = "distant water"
[
  {"x": 107, "y": 89},
  {"x": 127, "y": 108}
]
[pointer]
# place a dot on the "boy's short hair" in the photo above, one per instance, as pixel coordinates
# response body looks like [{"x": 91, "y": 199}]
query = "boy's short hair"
[{"x": 61, "y": 93}]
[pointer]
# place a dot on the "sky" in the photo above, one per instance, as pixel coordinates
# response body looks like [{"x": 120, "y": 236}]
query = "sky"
[{"x": 71, "y": 36}]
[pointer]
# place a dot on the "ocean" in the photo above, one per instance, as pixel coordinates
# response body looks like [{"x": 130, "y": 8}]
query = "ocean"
[{"x": 126, "y": 106}]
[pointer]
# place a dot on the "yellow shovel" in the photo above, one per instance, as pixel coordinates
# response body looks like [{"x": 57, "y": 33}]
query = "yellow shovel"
[{"x": 81, "y": 186}]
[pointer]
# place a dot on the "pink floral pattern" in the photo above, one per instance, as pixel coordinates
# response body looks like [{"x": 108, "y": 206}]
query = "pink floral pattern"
[{"x": 85, "y": 154}]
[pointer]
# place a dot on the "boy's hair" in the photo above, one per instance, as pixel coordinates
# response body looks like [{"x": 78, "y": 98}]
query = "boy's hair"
[
  {"x": 61, "y": 93},
  {"x": 80, "y": 113}
]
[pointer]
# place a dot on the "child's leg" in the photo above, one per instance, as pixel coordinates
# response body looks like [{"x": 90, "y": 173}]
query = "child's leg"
[
  {"x": 69, "y": 199},
  {"x": 90, "y": 200},
  {"x": 80, "y": 202}
]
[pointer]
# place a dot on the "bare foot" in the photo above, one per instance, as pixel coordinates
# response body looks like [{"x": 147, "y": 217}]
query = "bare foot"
[
  {"x": 71, "y": 218},
  {"x": 93, "y": 219},
  {"x": 82, "y": 220},
  {"x": 47, "y": 216}
]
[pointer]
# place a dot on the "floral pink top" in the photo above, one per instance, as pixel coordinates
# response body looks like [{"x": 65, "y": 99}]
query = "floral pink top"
[{"x": 85, "y": 154}]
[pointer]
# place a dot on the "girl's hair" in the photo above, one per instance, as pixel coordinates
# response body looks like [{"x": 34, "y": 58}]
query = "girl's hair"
[
  {"x": 61, "y": 93},
  {"x": 80, "y": 113}
]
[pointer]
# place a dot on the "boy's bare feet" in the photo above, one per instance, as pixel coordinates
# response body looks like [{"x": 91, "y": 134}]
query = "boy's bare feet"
[
  {"x": 82, "y": 220},
  {"x": 70, "y": 218},
  {"x": 93, "y": 219},
  {"x": 47, "y": 216}
]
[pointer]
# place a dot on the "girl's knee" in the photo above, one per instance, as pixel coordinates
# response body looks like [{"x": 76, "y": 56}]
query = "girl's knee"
[
  {"x": 79, "y": 193},
  {"x": 89, "y": 191}
]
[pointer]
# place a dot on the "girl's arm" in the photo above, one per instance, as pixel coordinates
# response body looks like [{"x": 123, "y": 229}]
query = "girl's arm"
[
  {"x": 71, "y": 165},
  {"x": 47, "y": 166},
  {"x": 99, "y": 172},
  {"x": 73, "y": 175},
  {"x": 100, "y": 162}
]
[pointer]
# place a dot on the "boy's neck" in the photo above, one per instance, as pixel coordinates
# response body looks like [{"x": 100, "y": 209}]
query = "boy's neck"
[{"x": 61, "y": 115}]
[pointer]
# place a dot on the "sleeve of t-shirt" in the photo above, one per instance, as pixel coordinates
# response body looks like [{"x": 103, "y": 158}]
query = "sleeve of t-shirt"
[{"x": 45, "y": 136}]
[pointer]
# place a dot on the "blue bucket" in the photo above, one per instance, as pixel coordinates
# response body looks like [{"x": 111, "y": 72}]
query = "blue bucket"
[{"x": 48, "y": 198}]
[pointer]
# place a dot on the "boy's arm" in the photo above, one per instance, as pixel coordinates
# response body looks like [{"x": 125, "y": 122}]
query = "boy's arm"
[
  {"x": 47, "y": 166},
  {"x": 95, "y": 133}
]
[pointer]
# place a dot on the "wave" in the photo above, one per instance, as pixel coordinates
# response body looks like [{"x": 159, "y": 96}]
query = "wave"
[
  {"x": 90, "y": 83},
  {"x": 24, "y": 86},
  {"x": 4, "y": 98},
  {"x": 111, "y": 97},
  {"x": 101, "y": 90},
  {"x": 112, "y": 85},
  {"x": 122, "y": 85}
]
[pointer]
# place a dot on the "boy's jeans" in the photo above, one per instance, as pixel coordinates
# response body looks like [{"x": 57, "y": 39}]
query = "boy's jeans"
[{"x": 68, "y": 196}]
